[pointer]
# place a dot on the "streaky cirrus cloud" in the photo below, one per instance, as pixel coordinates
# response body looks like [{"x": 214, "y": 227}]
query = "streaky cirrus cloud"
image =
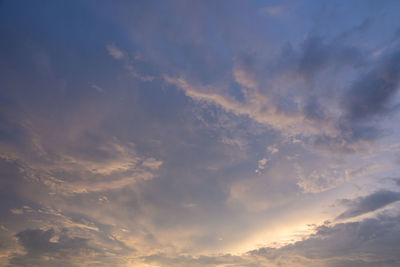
[
  {"x": 362, "y": 205},
  {"x": 115, "y": 52}
]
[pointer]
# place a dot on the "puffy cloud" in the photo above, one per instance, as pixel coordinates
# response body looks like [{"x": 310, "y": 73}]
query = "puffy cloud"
[
  {"x": 261, "y": 164},
  {"x": 272, "y": 149},
  {"x": 319, "y": 180}
]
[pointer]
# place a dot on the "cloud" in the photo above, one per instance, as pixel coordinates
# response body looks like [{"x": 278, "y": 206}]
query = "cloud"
[
  {"x": 151, "y": 142},
  {"x": 319, "y": 180},
  {"x": 267, "y": 100},
  {"x": 324, "y": 108},
  {"x": 397, "y": 181},
  {"x": 258, "y": 107},
  {"x": 372, "y": 93},
  {"x": 218, "y": 260},
  {"x": 39, "y": 241},
  {"x": 261, "y": 163},
  {"x": 73, "y": 172},
  {"x": 274, "y": 10},
  {"x": 76, "y": 159},
  {"x": 370, "y": 242},
  {"x": 63, "y": 240},
  {"x": 318, "y": 55},
  {"x": 115, "y": 52},
  {"x": 272, "y": 149},
  {"x": 152, "y": 163},
  {"x": 97, "y": 88},
  {"x": 42, "y": 249},
  {"x": 362, "y": 205}
]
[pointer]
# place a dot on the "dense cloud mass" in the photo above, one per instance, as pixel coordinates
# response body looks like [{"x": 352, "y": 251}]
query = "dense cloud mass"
[
  {"x": 39, "y": 247},
  {"x": 370, "y": 242},
  {"x": 207, "y": 133},
  {"x": 372, "y": 93}
]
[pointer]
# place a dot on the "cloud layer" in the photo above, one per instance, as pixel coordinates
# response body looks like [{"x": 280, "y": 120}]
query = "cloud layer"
[{"x": 208, "y": 133}]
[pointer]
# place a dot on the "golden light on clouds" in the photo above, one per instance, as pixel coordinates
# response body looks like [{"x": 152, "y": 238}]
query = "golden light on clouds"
[{"x": 207, "y": 133}]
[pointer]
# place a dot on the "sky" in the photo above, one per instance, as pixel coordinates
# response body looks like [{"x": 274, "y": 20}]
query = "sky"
[{"x": 199, "y": 133}]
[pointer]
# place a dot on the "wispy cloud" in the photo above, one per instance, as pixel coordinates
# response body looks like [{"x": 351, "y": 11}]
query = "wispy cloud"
[
  {"x": 370, "y": 203},
  {"x": 115, "y": 52},
  {"x": 199, "y": 134},
  {"x": 275, "y": 10}
]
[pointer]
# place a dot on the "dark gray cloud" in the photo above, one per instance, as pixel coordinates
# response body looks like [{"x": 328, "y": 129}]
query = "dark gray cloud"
[
  {"x": 104, "y": 161},
  {"x": 351, "y": 138},
  {"x": 313, "y": 109},
  {"x": 221, "y": 260},
  {"x": 369, "y": 98},
  {"x": 41, "y": 250},
  {"x": 36, "y": 241},
  {"x": 318, "y": 54},
  {"x": 368, "y": 203},
  {"x": 64, "y": 248},
  {"x": 311, "y": 61},
  {"x": 361, "y": 28},
  {"x": 16, "y": 189},
  {"x": 370, "y": 242},
  {"x": 372, "y": 93},
  {"x": 397, "y": 181}
]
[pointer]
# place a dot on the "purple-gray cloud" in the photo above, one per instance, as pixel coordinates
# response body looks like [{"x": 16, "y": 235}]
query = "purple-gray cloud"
[
  {"x": 362, "y": 205},
  {"x": 186, "y": 134}
]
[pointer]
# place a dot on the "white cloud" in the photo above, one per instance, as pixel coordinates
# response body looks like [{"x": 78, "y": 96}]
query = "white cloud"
[
  {"x": 274, "y": 10},
  {"x": 152, "y": 163},
  {"x": 319, "y": 180},
  {"x": 272, "y": 149},
  {"x": 115, "y": 52},
  {"x": 97, "y": 88},
  {"x": 259, "y": 107},
  {"x": 112, "y": 165},
  {"x": 261, "y": 164}
]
